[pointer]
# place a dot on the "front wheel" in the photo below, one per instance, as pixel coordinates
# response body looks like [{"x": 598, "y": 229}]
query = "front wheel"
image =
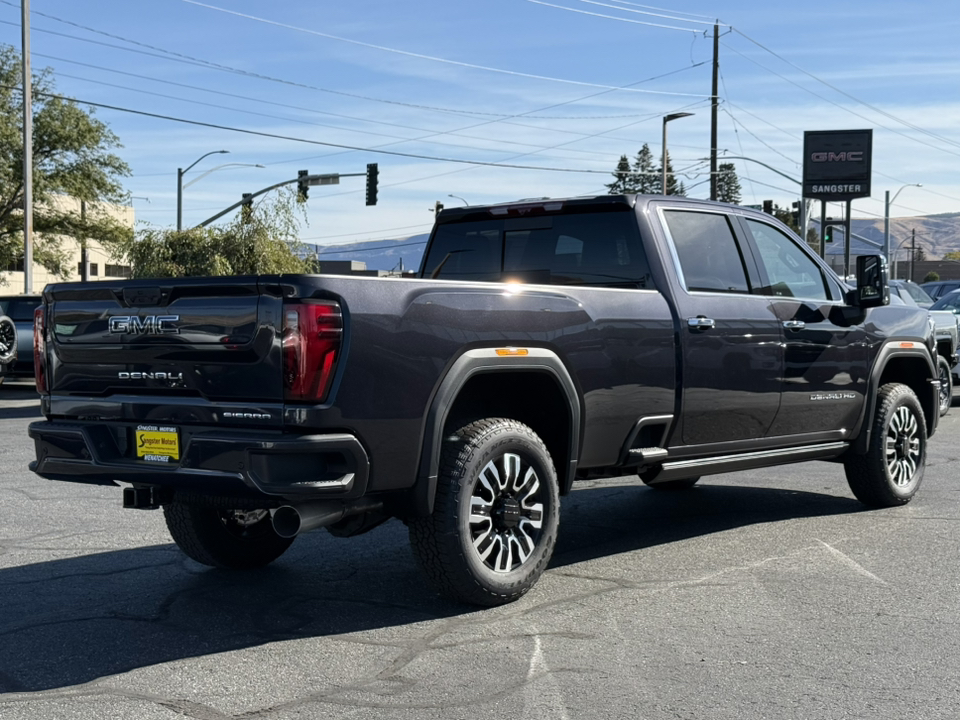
[
  {"x": 891, "y": 470},
  {"x": 231, "y": 539},
  {"x": 497, "y": 508},
  {"x": 946, "y": 384}
]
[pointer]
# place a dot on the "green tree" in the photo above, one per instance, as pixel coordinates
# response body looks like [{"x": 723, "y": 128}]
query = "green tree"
[
  {"x": 728, "y": 184},
  {"x": 919, "y": 255},
  {"x": 931, "y": 276},
  {"x": 261, "y": 241},
  {"x": 644, "y": 180},
  {"x": 673, "y": 187},
  {"x": 72, "y": 156},
  {"x": 623, "y": 183},
  {"x": 953, "y": 255}
]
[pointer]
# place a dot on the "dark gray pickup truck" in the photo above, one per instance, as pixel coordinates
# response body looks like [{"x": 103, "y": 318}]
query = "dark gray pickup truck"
[{"x": 544, "y": 342}]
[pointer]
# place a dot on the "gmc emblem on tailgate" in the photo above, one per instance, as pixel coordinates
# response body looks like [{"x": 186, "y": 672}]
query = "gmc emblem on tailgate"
[{"x": 148, "y": 325}]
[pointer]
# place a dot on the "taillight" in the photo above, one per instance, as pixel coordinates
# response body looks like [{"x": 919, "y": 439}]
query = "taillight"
[
  {"x": 40, "y": 349},
  {"x": 312, "y": 335}
]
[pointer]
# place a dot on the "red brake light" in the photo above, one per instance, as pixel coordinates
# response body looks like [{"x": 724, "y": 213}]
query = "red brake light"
[
  {"x": 40, "y": 349},
  {"x": 312, "y": 335}
]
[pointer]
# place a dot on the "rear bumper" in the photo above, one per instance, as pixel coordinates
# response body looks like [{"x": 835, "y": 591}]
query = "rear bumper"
[{"x": 213, "y": 461}]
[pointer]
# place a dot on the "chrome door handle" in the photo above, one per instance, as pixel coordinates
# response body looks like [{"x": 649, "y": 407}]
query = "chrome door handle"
[
  {"x": 700, "y": 323},
  {"x": 794, "y": 324}
]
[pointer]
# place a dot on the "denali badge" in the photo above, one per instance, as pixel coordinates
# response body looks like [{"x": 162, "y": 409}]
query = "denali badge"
[
  {"x": 148, "y": 325},
  {"x": 173, "y": 377}
]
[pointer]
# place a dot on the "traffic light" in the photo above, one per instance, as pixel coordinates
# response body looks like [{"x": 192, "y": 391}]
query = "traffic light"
[
  {"x": 372, "y": 173},
  {"x": 437, "y": 208},
  {"x": 302, "y": 187},
  {"x": 768, "y": 207},
  {"x": 796, "y": 213},
  {"x": 828, "y": 233}
]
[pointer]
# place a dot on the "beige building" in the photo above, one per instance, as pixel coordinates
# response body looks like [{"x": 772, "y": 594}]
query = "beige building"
[{"x": 102, "y": 266}]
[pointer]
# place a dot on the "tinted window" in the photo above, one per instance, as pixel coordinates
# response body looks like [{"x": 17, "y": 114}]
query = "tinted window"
[
  {"x": 597, "y": 249},
  {"x": 790, "y": 272},
  {"x": 465, "y": 251},
  {"x": 19, "y": 309},
  {"x": 708, "y": 252}
]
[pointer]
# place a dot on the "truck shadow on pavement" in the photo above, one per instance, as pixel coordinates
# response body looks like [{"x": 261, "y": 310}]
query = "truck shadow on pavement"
[{"x": 74, "y": 620}]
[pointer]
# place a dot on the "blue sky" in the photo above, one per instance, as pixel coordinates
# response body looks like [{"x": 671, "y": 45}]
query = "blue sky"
[{"x": 528, "y": 83}]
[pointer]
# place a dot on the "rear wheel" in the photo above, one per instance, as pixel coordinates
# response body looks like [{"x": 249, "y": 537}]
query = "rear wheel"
[
  {"x": 497, "y": 508},
  {"x": 946, "y": 384},
  {"x": 8, "y": 340},
  {"x": 224, "y": 538},
  {"x": 891, "y": 471}
]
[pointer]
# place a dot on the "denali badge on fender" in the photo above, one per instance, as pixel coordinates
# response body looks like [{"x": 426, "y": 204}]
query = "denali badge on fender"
[{"x": 148, "y": 325}]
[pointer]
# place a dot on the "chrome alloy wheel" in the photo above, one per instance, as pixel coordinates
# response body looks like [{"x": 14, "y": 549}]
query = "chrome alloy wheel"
[
  {"x": 903, "y": 446},
  {"x": 506, "y": 513},
  {"x": 945, "y": 395}
]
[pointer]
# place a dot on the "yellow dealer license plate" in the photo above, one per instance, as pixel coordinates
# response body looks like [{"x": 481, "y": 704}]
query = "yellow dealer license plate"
[{"x": 157, "y": 443}]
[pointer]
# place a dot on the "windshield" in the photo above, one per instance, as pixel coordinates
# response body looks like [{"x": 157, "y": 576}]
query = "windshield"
[{"x": 918, "y": 294}]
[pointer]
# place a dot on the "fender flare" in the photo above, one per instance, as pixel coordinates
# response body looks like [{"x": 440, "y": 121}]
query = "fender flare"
[
  {"x": 465, "y": 367},
  {"x": 892, "y": 349}
]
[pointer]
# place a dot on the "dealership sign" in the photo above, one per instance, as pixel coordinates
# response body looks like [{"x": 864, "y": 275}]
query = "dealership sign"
[{"x": 836, "y": 164}]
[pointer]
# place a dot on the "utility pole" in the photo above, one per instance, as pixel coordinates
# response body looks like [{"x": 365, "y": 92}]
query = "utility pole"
[
  {"x": 84, "y": 257},
  {"x": 913, "y": 251},
  {"x": 27, "y": 150},
  {"x": 713, "y": 113}
]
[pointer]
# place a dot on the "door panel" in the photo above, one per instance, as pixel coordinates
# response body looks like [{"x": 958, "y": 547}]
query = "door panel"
[{"x": 730, "y": 339}]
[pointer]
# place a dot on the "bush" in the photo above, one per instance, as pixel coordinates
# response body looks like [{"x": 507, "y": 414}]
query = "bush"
[{"x": 931, "y": 276}]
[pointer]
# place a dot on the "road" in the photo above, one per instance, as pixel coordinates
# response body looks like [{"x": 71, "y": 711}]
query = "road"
[{"x": 763, "y": 594}]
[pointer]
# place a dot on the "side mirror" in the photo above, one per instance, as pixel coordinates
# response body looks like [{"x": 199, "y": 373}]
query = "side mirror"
[{"x": 872, "y": 288}]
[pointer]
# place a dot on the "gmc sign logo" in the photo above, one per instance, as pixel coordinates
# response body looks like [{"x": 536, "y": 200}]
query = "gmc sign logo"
[
  {"x": 853, "y": 156},
  {"x": 147, "y": 325}
]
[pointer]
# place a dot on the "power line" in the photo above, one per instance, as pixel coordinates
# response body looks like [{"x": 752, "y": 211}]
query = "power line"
[
  {"x": 851, "y": 97},
  {"x": 652, "y": 14},
  {"x": 836, "y": 104},
  {"x": 421, "y": 56},
  {"x": 650, "y": 7},
  {"x": 277, "y": 136},
  {"x": 382, "y": 247},
  {"x": 607, "y": 17}
]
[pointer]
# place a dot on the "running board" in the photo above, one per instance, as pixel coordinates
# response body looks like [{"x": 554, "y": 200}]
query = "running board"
[{"x": 681, "y": 469}]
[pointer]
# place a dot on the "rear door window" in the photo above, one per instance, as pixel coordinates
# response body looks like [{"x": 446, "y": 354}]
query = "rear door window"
[{"x": 708, "y": 252}]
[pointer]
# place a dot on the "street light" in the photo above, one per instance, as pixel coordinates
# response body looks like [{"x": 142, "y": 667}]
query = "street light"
[
  {"x": 886, "y": 217},
  {"x": 460, "y": 198},
  {"x": 180, "y": 173},
  {"x": 220, "y": 167},
  {"x": 663, "y": 165}
]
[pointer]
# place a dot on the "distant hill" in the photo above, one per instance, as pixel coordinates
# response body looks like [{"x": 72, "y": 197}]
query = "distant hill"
[
  {"x": 936, "y": 234},
  {"x": 377, "y": 254}
]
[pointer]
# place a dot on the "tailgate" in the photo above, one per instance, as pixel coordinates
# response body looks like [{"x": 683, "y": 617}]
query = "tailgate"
[{"x": 212, "y": 339}]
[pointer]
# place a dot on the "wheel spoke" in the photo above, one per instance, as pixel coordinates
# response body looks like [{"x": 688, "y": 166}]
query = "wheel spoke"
[
  {"x": 529, "y": 488},
  {"x": 493, "y": 488},
  {"x": 480, "y": 511},
  {"x": 511, "y": 472},
  {"x": 486, "y": 543},
  {"x": 505, "y": 558}
]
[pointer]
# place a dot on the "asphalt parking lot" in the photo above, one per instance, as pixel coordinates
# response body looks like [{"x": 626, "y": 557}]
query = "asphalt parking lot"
[{"x": 762, "y": 594}]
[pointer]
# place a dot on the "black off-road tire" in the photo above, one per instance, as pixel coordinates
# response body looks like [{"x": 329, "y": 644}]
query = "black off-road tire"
[
  {"x": 8, "y": 340},
  {"x": 946, "y": 385},
  {"x": 224, "y": 538},
  {"x": 465, "y": 556},
  {"x": 890, "y": 472},
  {"x": 674, "y": 485}
]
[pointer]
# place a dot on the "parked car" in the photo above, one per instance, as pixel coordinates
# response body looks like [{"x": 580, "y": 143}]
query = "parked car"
[
  {"x": 910, "y": 293},
  {"x": 947, "y": 329},
  {"x": 938, "y": 288},
  {"x": 543, "y": 342},
  {"x": 8, "y": 345},
  {"x": 949, "y": 301},
  {"x": 19, "y": 308}
]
